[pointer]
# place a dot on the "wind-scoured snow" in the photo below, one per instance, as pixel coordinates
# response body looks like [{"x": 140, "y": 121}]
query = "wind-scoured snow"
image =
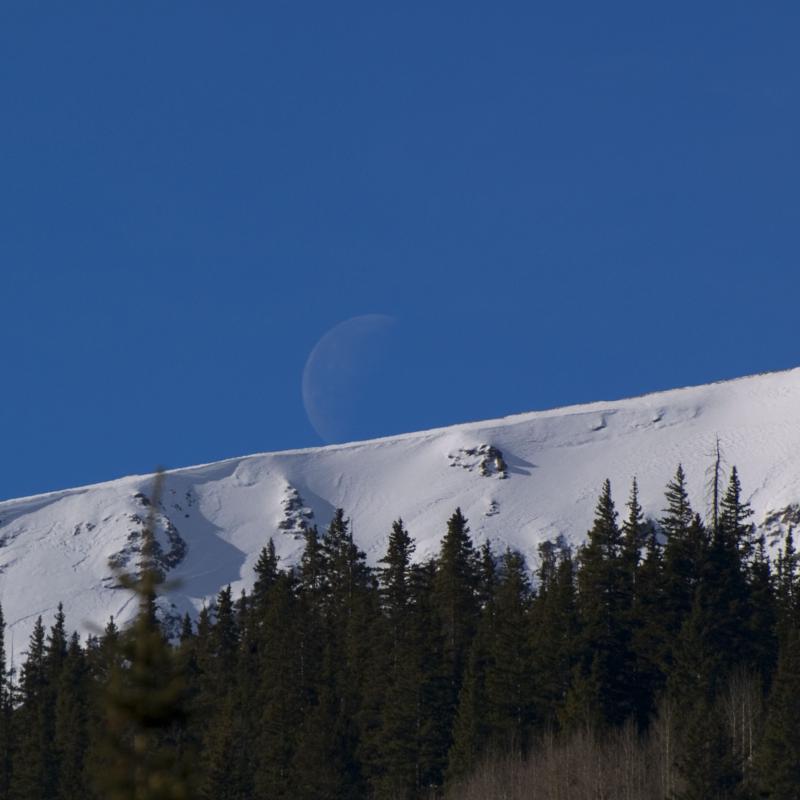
[{"x": 519, "y": 480}]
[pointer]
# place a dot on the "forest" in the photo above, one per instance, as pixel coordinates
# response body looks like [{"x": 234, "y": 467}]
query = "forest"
[{"x": 660, "y": 659}]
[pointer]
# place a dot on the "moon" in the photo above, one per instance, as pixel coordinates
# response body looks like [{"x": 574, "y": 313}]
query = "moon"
[{"x": 343, "y": 379}]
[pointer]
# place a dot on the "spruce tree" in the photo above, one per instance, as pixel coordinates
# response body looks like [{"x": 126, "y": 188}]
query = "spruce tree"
[
  {"x": 457, "y": 600},
  {"x": 71, "y": 723},
  {"x": 145, "y": 699},
  {"x": 706, "y": 762},
  {"x": 432, "y": 680},
  {"x": 471, "y": 728},
  {"x": 6, "y": 734},
  {"x": 395, "y": 579},
  {"x": 266, "y": 570},
  {"x": 683, "y": 560},
  {"x": 487, "y": 574},
  {"x": 34, "y": 776},
  {"x": 223, "y": 778},
  {"x": 604, "y": 606},
  {"x": 778, "y": 755},
  {"x": 509, "y": 680},
  {"x": 787, "y": 592},
  {"x": 279, "y": 694},
  {"x": 388, "y": 739},
  {"x": 553, "y": 631},
  {"x": 650, "y": 636},
  {"x": 635, "y": 531}
]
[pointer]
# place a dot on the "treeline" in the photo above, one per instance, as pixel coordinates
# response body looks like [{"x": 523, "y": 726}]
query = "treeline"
[{"x": 661, "y": 660}]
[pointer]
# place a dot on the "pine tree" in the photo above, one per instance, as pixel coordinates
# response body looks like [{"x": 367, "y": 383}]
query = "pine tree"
[
  {"x": 431, "y": 679},
  {"x": 457, "y": 600},
  {"x": 266, "y": 570},
  {"x": 225, "y": 638},
  {"x": 763, "y": 620},
  {"x": 472, "y": 731},
  {"x": 553, "y": 631},
  {"x": 311, "y": 568},
  {"x": 778, "y": 756},
  {"x": 6, "y": 734},
  {"x": 395, "y": 579},
  {"x": 33, "y": 770},
  {"x": 787, "y": 587},
  {"x": 56, "y": 649},
  {"x": 71, "y": 723},
  {"x": 279, "y": 694},
  {"x": 650, "y": 635},
  {"x": 345, "y": 588},
  {"x": 707, "y": 763},
  {"x": 224, "y": 779},
  {"x": 734, "y": 517},
  {"x": 388, "y": 746},
  {"x": 487, "y": 575},
  {"x": 634, "y": 540},
  {"x": 604, "y": 607},
  {"x": 683, "y": 560},
  {"x": 144, "y": 700},
  {"x": 509, "y": 694}
]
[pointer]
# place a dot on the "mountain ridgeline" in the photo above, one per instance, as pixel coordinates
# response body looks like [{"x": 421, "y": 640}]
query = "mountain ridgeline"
[
  {"x": 521, "y": 481},
  {"x": 659, "y": 659}
]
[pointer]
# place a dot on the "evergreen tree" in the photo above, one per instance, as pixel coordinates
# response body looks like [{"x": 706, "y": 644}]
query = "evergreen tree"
[
  {"x": 778, "y": 756},
  {"x": 266, "y": 570},
  {"x": 395, "y": 579},
  {"x": 509, "y": 695},
  {"x": 734, "y": 518},
  {"x": 634, "y": 541},
  {"x": 333, "y": 680},
  {"x": 144, "y": 700},
  {"x": 649, "y": 631},
  {"x": 311, "y": 568},
  {"x": 431, "y": 679},
  {"x": 34, "y": 775},
  {"x": 472, "y": 731},
  {"x": 279, "y": 694},
  {"x": 487, "y": 575},
  {"x": 6, "y": 735},
  {"x": 683, "y": 559},
  {"x": 71, "y": 723},
  {"x": 225, "y": 638},
  {"x": 553, "y": 631},
  {"x": 707, "y": 763},
  {"x": 457, "y": 601},
  {"x": 604, "y": 611},
  {"x": 388, "y": 746},
  {"x": 762, "y": 624},
  {"x": 787, "y": 587},
  {"x": 223, "y": 779}
]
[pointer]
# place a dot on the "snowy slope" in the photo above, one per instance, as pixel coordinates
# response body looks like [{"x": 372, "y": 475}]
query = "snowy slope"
[{"x": 519, "y": 480}]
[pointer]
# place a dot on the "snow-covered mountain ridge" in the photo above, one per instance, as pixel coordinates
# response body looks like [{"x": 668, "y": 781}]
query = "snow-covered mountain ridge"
[{"x": 519, "y": 480}]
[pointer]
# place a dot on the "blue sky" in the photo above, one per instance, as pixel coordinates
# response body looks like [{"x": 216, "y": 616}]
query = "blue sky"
[{"x": 555, "y": 203}]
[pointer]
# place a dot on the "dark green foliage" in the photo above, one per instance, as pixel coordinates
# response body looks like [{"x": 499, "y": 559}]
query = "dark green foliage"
[
  {"x": 35, "y": 771},
  {"x": 509, "y": 679},
  {"x": 144, "y": 701},
  {"x": 553, "y": 632},
  {"x": 778, "y": 759},
  {"x": 337, "y": 680},
  {"x": 605, "y": 581},
  {"x": 6, "y": 734},
  {"x": 706, "y": 762},
  {"x": 71, "y": 735},
  {"x": 456, "y": 597},
  {"x": 278, "y": 694},
  {"x": 684, "y": 550},
  {"x": 266, "y": 570}
]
